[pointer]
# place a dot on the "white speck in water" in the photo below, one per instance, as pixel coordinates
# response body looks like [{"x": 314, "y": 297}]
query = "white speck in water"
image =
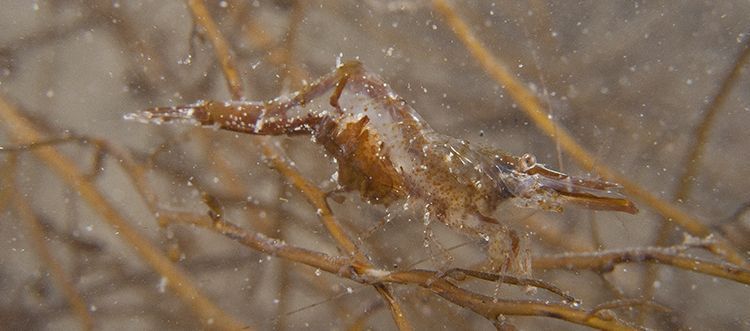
[
  {"x": 162, "y": 286},
  {"x": 89, "y": 228},
  {"x": 657, "y": 284},
  {"x": 210, "y": 321},
  {"x": 216, "y": 180},
  {"x": 50, "y": 93},
  {"x": 689, "y": 82},
  {"x": 275, "y": 301},
  {"x": 186, "y": 61},
  {"x": 318, "y": 272},
  {"x": 35, "y": 6},
  {"x": 349, "y": 290},
  {"x": 93, "y": 308},
  {"x": 338, "y": 60},
  {"x": 223, "y": 4}
]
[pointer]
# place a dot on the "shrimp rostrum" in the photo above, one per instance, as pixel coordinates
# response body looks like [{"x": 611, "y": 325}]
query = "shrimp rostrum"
[{"x": 388, "y": 153}]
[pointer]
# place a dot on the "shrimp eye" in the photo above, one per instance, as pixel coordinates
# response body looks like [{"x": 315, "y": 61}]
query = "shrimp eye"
[{"x": 526, "y": 162}]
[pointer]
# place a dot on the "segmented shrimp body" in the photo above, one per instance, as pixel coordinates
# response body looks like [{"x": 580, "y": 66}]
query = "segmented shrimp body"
[{"x": 388, "y": 153}]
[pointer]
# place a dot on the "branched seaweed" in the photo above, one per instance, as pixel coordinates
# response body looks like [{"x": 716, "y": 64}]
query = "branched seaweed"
[{"x": 232, "y": 245}]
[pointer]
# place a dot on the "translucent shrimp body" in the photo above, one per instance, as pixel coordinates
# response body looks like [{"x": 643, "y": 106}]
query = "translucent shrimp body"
[{"x": 388, "y": 153}]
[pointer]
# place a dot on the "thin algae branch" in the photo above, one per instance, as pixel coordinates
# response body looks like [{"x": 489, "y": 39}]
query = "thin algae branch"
[{"x": 389, "y": 154}]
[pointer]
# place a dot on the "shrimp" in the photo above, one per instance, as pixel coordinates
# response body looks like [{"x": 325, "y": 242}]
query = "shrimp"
[{"x": 388, "y": 153}]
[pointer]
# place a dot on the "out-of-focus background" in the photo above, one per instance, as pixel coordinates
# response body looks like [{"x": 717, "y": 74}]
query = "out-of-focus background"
[{"x": 632, "y": 81}]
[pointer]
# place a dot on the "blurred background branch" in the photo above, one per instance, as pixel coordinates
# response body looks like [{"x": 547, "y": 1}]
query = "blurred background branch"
[{"x": 650, "y": 94}]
